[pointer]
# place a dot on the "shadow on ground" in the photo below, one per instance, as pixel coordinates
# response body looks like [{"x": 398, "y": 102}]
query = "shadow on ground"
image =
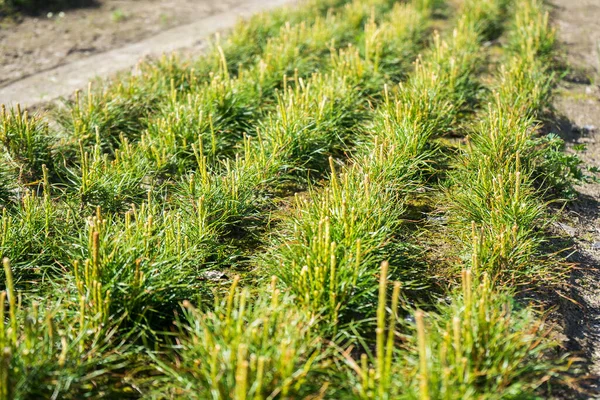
[
  {"x": 578, "y": 302},
  {"x": 37, "y": 7}
]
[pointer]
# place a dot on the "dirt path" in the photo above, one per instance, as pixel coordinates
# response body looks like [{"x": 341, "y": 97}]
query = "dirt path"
[
  {"x": 41, "y": 42},
  {"x": 74, "y": 72},
  {"x": 578, "y": 104}
]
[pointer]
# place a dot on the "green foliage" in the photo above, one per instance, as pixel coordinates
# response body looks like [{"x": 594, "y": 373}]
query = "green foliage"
[
  {"x": 483, "y": 346},
  {"x": 302, "y": 145},
  {"x": 493, "y": 190},
  {"x": 494, "y": 199},
  {"x": 532, "y": 36},
  {"x": 248, "y": 346},
  {"x": 139, "y": 268},
  {"x": 111, "y": 184},
  {"x": 332, "y": 244},
  {"x": 31, "y": 234},
  {"x": 109, "y": 113},
  {"x": 479, "y": 345},
  {"x": 556, "y": 170},
  {"x": 314, "y": 120},
  {"x": 52, "y": 350},
  {"x": 118, "y": 16},
  {"x": 26, "y": 143},
  {"x": 217, "y": 117},
  {"x": 488, "y": 16},
  {"x": 233, "y": 198},
  {"x": 8, "y": 181}
]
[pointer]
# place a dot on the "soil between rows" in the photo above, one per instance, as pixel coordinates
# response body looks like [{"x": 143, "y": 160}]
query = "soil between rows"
[{"x": 577, "y": 106}]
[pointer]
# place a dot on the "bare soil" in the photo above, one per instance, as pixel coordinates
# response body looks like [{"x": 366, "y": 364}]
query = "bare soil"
[
  {"x": 577, "y": 107},
  {"x": 37, "y": 43},
  {"x": 36, "y": 84}
]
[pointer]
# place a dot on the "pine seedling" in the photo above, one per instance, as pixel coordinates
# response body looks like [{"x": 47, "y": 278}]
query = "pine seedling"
[
  {"x": 249, "y": 346},
  {"x": 314, "y": 120},
  {"x": 331, "y": 248},
  {"x": 217, "y": 117},
  {"x": 108, "y": 112},
  {"x": 495, "y": 183},
  {"x": 137, "y": 269},
  {"x": 26, "y": 143},
  {"x": 531, "y": 35},
  {"x": 31, "y": 234},
  {"x": 112, "y": 183},
  {"x": 50, "y": 350},
  {"x": 373, "y": 377},
  {"x": 482, "y": 346}
]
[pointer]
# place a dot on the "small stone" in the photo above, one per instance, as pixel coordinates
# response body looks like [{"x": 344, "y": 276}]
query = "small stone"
[
  {"x": 213, "y": 275},
  {"x": 596, "y": 246},
  {"x": 438, "y": 219},
  {"x": 569, "y": 230},
  {"x": 586, "y": 140}
]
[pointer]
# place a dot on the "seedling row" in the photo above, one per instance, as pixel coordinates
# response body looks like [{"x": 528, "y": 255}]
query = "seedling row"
[{"x": 252, "y": 223}]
